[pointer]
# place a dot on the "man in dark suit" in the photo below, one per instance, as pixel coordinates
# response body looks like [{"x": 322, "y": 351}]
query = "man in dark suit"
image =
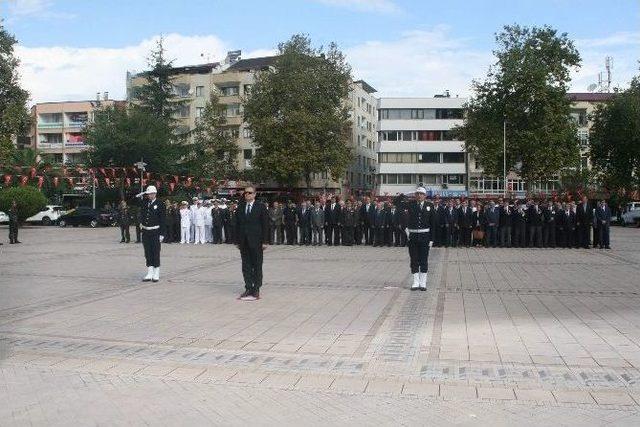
[
  {"x": 493, "y": 219},
  {"x": 584, "y": 218},
  {"x": 332, "y": 219},
  {"x": 304, "y": 222},
  {"x": 252, "y": 238},
  {"x": 466, "y": 223},
  {"x": 379, "y": 224},
  {"x": 506, "y": 220},
  {"x": 535, "y": 219},
  {"x": 603, "y": 217},
  {"x": 290, "y": 216},
  {"x": 367, "y": 214}
]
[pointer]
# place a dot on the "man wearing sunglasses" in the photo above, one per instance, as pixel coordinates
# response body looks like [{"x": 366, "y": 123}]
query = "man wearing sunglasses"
[{"x": 252, "y": 237}]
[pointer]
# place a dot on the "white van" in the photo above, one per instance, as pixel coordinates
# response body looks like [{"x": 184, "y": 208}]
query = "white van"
[{"x": 631, "y": 213}]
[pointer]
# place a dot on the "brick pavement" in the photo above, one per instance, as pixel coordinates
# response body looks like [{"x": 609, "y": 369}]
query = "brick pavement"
[{"x": 502, "y": 334}]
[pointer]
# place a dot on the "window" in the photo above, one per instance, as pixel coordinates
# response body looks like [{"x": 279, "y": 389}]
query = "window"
[
  {"x": 453, "y": 179},
  {"x": 232, "y": 132},
  {"x": 404, "y": 178},
  {"x": 182, "y": 89},
  {"x": 199, "y": 112},
  {"x": 583, "y": 137},
  {"x": 199, "y": 91},
  {"x": 429, "y": 158},
  {"x": 392, "y": 178},
  {"x": 184, "y": 111},
  {"x": 247, "y": 154},
  {"x": 50, "y": 118},
  {"x": 449, "y": 113},
  {"x": 584, "y": 162},
  {"x": 428, "y": 135},
  {"x": 247, "y": 90},
  {"x": 579, "y": 117},
  {"x": 452, "y": 157},
  {"x": 229, "y": 90},
  {"x": 233, "y": 110},
  {"x": 246, "y": 133},
  {"x": 406, "y": 135},
  {"x": 417, "y": 114}
]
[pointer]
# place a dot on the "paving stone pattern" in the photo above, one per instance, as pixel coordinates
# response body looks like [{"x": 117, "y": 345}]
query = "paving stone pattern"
[{"x": 526, "y": 336}]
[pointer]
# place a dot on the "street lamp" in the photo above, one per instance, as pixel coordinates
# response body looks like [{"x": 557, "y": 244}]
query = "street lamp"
[
  {"x": 504, "y": 156},
  {"x": 141, "y": 165}
]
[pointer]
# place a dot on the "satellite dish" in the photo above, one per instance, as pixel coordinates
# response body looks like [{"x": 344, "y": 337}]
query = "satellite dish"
[{"x": 592, "y": 87}]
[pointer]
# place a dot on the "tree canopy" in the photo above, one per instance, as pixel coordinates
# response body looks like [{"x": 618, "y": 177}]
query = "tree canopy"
[
  {"x": 526, "y": 88},
  {"x": 298, "y": 115},
  {"x": 614, "y": 140}
]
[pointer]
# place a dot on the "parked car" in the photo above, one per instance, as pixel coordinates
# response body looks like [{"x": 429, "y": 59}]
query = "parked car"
[
  {"x": 631, "y": 214},
  {"x": 48, "y": 215},
  {"x": 3, "y": 217},
  {"x": 82, "y": 215}
]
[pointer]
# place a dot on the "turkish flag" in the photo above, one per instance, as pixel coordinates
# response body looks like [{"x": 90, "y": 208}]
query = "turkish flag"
[
  {"x": 23, "y": 180},
  {"x": 55, "y": 181},
  {"x": 32, "y": 172},
  {"x": 7, "y": 179},
  {"x": 172, "y": 186},
  {"x": 107, "y": 181},
  {"x": 158, "y": 184},
  {"x": 40, "y": 181}
]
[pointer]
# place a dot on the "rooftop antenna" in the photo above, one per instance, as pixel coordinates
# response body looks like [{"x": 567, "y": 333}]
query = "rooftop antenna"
[
  {"x": 604, "y": 84},
  {"x": 608, "y": 65}
]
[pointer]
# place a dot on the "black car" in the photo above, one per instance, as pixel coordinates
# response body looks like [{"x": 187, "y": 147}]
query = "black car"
[{"x": 86, "y": 216}]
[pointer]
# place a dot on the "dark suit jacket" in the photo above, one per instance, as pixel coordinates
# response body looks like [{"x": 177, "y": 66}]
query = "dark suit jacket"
[
  {"x": 253, "y": 229},
  {"x": 304, "y": 220},
  {"x": 367, "y": 218},
  {"x": 584, "y": 217},
  {"x": 332, "y": 216},
  {"x": 603, "y": 215},
  {"x": 492, "y": 216}
]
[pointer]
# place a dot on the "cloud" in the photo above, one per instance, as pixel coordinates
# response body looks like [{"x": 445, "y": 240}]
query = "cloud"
[
  {"x": 419, "y": 63},
  {"x": 39, "y": 9},
  {"x": 376, "y": 6},
  {"x": 70, "y": 73},
  {"x": 426, "y": 62}
]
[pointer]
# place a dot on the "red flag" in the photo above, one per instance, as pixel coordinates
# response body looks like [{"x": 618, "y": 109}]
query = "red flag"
[
  {"x": 158, "y": 183},
  {"x": 23, "y": 180},
  {"x": 127, "y": 182},
  {"x": 32, "y": 172},
  {"x": 7, "y": 179},
  {"x": 64, "y": 171},
  {"x": 172, "y": 186},
  {"x": 55, "y": 181},
  {"x": 107, "y": 182},
  {"x": 144, "y": 182},
  {"x": 189, "y": 179},
  {"x": 175, "y": 177},
  {"x": 148, "y": 175},
  {"x": 102, "y": 171},
  {"x": 70, "y": 181},
  {"x": 40, "y": 181}
]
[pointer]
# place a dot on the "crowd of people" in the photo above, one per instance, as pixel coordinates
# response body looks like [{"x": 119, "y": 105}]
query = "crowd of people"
[{"x": 332, "y": 221}]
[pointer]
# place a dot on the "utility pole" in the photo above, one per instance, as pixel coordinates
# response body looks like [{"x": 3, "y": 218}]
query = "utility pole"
[
  {"x": 140, "y": 165},
  {"x": 504, "y": 156}
]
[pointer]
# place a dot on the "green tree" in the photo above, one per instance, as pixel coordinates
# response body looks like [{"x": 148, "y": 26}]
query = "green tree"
[
  {"x": 297, "y": 113},
  {"x": 14, "y": 116},
  {"x": 120, "y": 137},
  {"x": 28, "y": 157},
  {"x": 30, "y": 200},
  {"x": 157, "y": 95},
  {"x": 526, "y": 88},
  {"x": 213, "y": 151},
  {"x": 614, "y": 140}
]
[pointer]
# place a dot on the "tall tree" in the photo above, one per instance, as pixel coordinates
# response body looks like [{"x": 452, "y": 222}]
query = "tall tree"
[
  {"x": 614, "y": 140},
  {"x": 121, "y": 137},
  {"x": 298, "y": 115},
  {"x": 526, "y": 88},
  {"x": 14, "y": 116},
  {"x": 157, "y": 95},
  {"x": 213, "y": 151}
]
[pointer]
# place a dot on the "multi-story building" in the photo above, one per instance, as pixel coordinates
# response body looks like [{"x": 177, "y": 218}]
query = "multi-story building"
[
  {"x": 417, "y": 146},
  {"x": 58, "y": 127},
  {"x": 232, "y": 81},
  {"x": 482, "y": 185}
]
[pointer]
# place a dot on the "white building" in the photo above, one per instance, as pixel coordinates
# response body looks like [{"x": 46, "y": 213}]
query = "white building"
[{"x": 416, "y": 146}]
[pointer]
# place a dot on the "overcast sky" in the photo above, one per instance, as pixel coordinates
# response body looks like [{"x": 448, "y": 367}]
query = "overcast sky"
[{"x": 70, "y": 49}]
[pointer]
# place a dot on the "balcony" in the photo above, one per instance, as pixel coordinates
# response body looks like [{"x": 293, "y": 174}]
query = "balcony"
[{"x": 49, "y": 125}]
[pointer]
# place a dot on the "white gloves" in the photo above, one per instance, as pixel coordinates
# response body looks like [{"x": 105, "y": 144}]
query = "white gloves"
[
  {"x": 161, "y": 239},
  {"x": 431, "y": 243},
  {"x": 406, "y": 230}
]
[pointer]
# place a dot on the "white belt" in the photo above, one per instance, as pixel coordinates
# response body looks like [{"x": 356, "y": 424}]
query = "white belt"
[
  {"x": 155, "y": 227},
  {"x": 419, "y": 230}
]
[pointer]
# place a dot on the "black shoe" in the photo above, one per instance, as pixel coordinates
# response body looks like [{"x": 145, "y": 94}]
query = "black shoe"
[
  {"x": 17, "y": 242},
  {"x": 244, "y": 294},
  {"x": 121, "y": 241}
]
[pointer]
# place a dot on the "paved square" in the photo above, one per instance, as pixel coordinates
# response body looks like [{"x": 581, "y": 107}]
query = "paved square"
[{"x": 527, "y": 336}]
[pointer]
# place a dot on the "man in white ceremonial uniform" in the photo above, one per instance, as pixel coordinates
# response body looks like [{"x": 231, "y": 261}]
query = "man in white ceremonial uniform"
[
  {"x": 208, "y": 222},
  {"x": 192, "y": 230},
  {"x": 198, "y": 219},
  {"x": 185, "y": 222}
]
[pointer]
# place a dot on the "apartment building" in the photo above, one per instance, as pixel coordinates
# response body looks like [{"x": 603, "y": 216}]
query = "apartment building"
[
  {"x": 232, "y": 80},
  {"x": 58, "y": 127},
  {"x": 417, "y": 146}
]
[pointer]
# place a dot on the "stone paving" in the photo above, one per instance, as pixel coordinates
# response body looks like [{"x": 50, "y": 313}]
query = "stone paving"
[{"x": 506, "y": 336}]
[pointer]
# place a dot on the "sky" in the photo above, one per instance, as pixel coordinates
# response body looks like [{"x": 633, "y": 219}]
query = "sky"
[{"x": 71, "y": 49}]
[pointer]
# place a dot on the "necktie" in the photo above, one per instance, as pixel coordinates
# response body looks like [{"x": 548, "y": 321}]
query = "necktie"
[{"x": 248, "y": 209}]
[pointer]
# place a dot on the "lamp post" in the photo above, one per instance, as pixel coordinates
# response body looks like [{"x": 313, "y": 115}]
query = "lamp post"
[
  {"x": 141, "y": 165},
  {"x": 504, "y": 156}
]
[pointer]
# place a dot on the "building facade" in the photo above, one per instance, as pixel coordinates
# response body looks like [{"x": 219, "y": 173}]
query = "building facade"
[
  {"x": 58, "y": 127},
  {"x": 232, "y": 80},
  {"x": 417, "y": 146}
]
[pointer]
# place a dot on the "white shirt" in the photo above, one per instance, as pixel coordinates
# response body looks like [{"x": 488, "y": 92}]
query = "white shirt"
[
  {"x": 208, "y": 219},
  {"x": 185, "y": 218},
  {"x": 198, "y": 216}
]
